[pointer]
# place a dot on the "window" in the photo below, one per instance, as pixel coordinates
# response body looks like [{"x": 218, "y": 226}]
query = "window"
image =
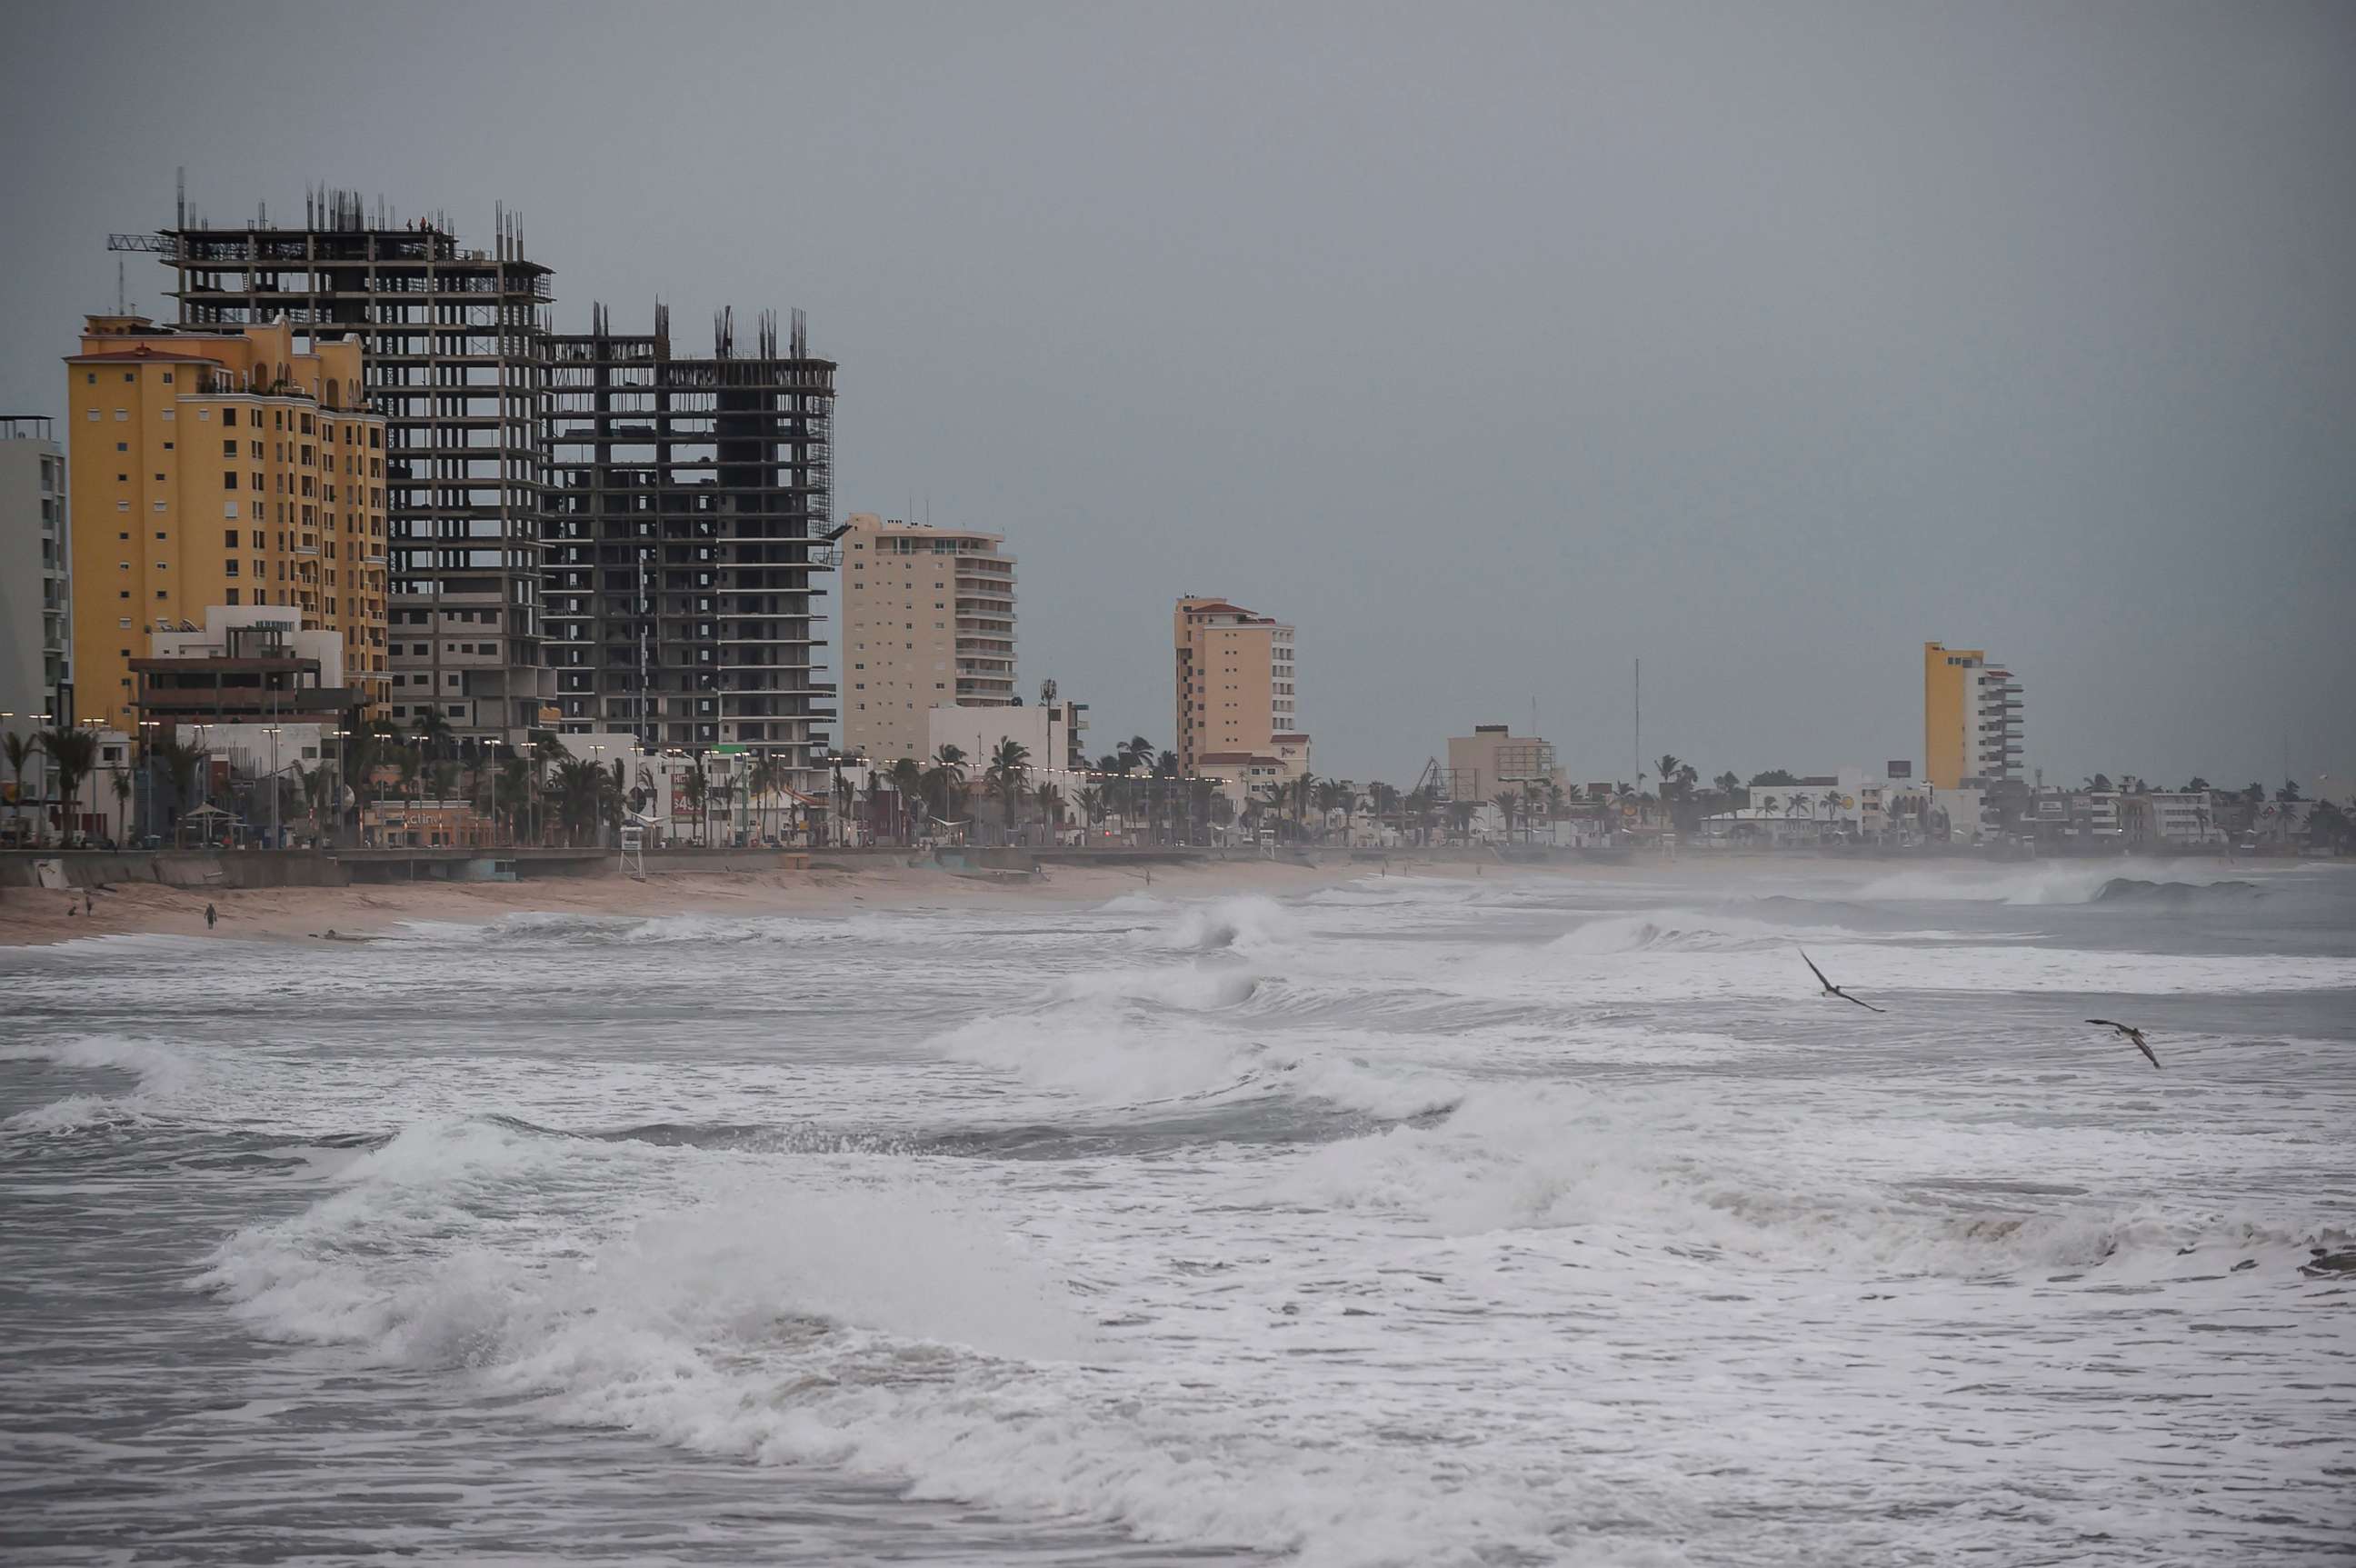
[
  {"x": 91, "y": 376},
  {"x": 122, "y": 506},
  {"x": 228, "y": 416},
  {"x": 228, "y": 450},
  {"x": 229, "y": 538},
  {"x": 122, "y": 414},
  {"x": 167, "y": 378},
  {"x": 229, "y": 509},
  {"x": 122, "y": 446},
  {"x": 228, "y": 478}
]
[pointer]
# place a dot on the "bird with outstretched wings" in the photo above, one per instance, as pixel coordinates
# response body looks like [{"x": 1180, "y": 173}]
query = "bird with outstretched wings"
[{"x": 1832, "y": 990}]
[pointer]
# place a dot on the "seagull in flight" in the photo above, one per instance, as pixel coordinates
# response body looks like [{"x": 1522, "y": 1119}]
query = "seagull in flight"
[
  {"x": 1832, "y": 990},
  {"x": 2135, "y": 1035}
]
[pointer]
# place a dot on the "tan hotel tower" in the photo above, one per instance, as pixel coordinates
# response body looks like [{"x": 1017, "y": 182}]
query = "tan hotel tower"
[
  {"x": 219, "y": 469},
  {"x": 1236, "y": 711},
  {"x": 927, "y": 622}
]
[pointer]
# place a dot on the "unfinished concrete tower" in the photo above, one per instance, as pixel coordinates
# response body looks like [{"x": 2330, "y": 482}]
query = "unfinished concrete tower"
[
  {"x": 455, "y": 343},
  {"x": 690, "y": 506}
]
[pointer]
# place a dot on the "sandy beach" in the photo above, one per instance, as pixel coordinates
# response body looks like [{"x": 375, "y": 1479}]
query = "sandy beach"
[{"x": 31, "y": 915}]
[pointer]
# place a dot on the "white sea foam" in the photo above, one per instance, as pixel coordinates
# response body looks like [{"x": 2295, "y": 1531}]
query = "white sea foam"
[
  {"x": 1522, "y": 1222},
  {"x": 1246, "y": 924},
  {"x": 161, "y": 1075}
]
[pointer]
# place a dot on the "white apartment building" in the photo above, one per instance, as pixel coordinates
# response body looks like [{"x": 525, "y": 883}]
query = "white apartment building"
[
  {"x": 35, "y": 560},
  {"x": 927, "y": 621}
]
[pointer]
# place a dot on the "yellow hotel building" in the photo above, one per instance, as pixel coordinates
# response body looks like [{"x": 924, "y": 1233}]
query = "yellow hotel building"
[
  {"x": 1971, "y": 719},
  {"x": 218, "y": 467}
]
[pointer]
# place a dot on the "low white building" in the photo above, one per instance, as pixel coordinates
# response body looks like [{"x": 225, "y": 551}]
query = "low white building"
[{"x": 2176, "y": 819}]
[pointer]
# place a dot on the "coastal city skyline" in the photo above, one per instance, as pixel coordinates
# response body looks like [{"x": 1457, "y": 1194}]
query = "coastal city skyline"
[
  {"x": 1028, "y": 784},
  {"x": 992, "y": 397}
]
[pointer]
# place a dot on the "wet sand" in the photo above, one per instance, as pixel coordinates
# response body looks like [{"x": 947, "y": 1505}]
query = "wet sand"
[{"x": 30, "y": 916}]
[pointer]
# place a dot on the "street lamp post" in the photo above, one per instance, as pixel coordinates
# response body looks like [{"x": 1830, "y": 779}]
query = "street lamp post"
[
  {"x": 336, "y": 835},
  {"x": 272, "y": 731},
  {"x": 147, "y": 776}
]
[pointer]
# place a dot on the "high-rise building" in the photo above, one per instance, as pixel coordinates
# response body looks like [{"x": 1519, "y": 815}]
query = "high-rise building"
[
  {"x": 1971, "y": 720},
  {"x": 927, "y": 621},
  {"x": 220, "y": 467},
  {"x": 689, "y": 508},
  {"x": 35, "y": 572},
  {"x": 457, "y": 361},
  {"x": 1235, "y": 688}
]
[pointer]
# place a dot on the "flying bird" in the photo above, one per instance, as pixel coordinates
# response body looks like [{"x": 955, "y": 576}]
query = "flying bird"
[
  {"x": 1832, "y": 990},
  {"x": 2135, "y": 1035}
]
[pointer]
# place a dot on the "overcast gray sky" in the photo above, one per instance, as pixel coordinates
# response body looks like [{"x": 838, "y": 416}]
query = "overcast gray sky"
[{"x": 1494, "y": 345}]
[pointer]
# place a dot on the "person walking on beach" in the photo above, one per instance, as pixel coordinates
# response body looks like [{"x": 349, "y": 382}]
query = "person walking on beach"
[{"x": 209, "y": 916}]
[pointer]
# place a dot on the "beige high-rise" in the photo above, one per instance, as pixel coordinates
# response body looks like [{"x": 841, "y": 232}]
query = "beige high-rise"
[
  {"x": 1235, "y": 686},
  {"x": 927, "y": 622}
]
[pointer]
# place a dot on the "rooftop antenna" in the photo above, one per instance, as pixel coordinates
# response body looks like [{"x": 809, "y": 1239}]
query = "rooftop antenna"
[{"x": 121, "y": 307}]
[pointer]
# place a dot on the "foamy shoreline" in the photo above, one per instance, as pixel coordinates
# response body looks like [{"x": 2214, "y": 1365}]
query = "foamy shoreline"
[{"x": 32, "y": 916}]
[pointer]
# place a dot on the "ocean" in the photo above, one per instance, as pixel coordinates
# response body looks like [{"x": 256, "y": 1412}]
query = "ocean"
[{"x": 1418, "y": 1221}]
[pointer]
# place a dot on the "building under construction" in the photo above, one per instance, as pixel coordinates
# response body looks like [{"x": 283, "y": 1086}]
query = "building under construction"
[
  {"x": 457, "y": 358},
  {"x": 690, "y": 505}
]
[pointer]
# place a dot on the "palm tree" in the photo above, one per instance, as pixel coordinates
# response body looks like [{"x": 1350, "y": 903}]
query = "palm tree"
[
  {"x": 696, "y": 784},
  {"x": 1091, "y": 802},
  {"x": 1460, "y": 819},
  {"x": 181, "y": 764},
  {"x": 907, "y": 780},
  {"x": 72, "y": 753},
  {"x": 722, "y": 795},
  {"x": 1050, "y": 801},
  {"x": 1507, "y": 802},
  {"x": 1164, "y": 774},
  {"x": 21, "y": 749},
  {"x": 1422, "y": 804},
  {"x": 1767, "y": 803},
  {"x": 318, "y": 793},
  {"x": 1218, "y": 811},
  {"x": 760, "y": 783},
  {"x": 433, "y": 732},
  {"x": 1328, "y": 796},
  {"x": 1672, "y": 772},
  {"x": 945, "y": 780},
  {"x": 1009, "y": 762},
  {"x": 1303, "y": 793},
  {"x": 513, "y": 792},
  {"x": 120, "y": 782},
  {"x": 846, "y": 796},
  {"x": 411, "y": 762}
]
